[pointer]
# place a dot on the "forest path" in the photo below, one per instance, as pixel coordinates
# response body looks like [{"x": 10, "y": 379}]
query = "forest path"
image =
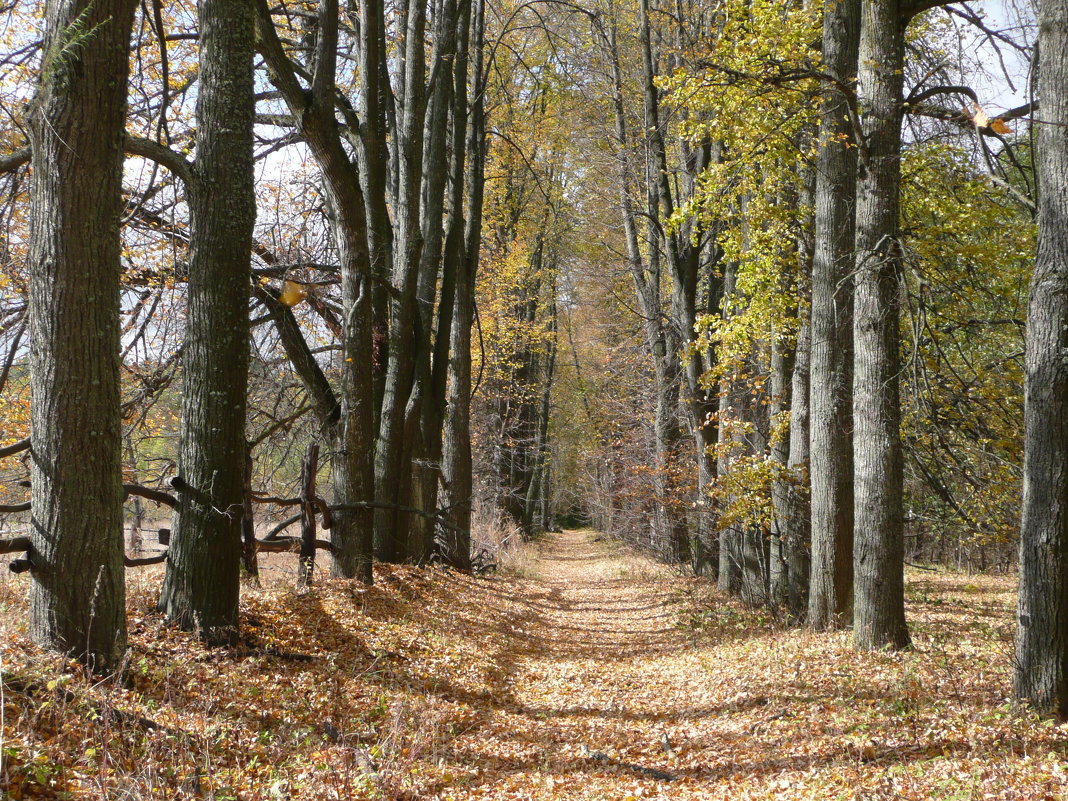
[
  {"x": 613, "y": 678},
  {"x": 601, "y": 684}
]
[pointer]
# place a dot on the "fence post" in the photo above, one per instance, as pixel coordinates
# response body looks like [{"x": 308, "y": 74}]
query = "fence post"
[{"x": 307, "y": 517}]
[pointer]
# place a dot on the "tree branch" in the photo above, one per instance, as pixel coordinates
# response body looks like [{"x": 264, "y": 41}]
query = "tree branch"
[
  {"x": 12, "y": 161},
  {"x": 15, "y": 447},
  {"x": 162, "y": 155}
]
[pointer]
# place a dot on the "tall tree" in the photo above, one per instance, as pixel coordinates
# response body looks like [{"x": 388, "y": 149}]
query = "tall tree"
[
  {"x": 1041, "y": 674},
  {"x": 77, "y": 597},
  {"x": 682, "y": 251},
  {"x": 669, "y": 521},
  {"x": 830, "y": 595},
  {"x": 456, "y": 465},
  {"x": 878, "y": 551},
  {"x": 362, "y": 241},
  {"x": 201, "y": 587}
]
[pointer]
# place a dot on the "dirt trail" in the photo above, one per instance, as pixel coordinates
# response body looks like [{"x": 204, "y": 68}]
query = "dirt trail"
[
  {"x": 618, "y": 680},
  {"x": 600, "y": 681}
]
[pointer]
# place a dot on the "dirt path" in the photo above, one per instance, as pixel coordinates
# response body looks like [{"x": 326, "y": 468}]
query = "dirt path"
[
  {"x": 619, "y": 680},
  {"x": 601, "y": 685}
]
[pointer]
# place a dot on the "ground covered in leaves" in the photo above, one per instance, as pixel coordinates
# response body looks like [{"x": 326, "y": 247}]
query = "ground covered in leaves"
[{"x": 589, "y": 673}]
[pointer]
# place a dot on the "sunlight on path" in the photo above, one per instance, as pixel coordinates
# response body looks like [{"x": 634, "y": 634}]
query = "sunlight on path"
[
  {"x": 616, "y": 679},
  {"x": 601, "y": 676}
]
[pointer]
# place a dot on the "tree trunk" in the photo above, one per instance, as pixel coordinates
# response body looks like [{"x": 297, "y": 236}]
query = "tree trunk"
[
  {"x": 755, "y": 536},
  {"x": 782, "y": 369},
  {"x": 831, "y": 591},
  {"x": 248, "y": 524},
  {"x": 306, "y": 560},
  {"x": 1041, "y": 674},
  {"x": 362, "y": 239},
  {"x": 456, "y": 460},
  {"x": 878, "y": 553},
  {"x": 353, "y": 472},
  {"x": 533, "y": 519},
  {"x": 729, "y": 578},
  {"x": 392, "y": 475},
  {"x": 795, "y": 514},
  {"x": 201, "y": 587},
  {"x": 448, "y": 101},
  {"x": 670, "y": 525},
  {"x": 77, "y": 596}
]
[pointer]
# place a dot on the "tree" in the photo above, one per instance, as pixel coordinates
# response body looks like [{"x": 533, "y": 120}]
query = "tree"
[
  {"x": 830, "y": 594},
  {"x": 347, "y": 416},
  {"x": 76, "y": 134},
  {"x": 1041, "y": 674},
  {"x": 878, "y": 550},
  {"x": 669, "y": 519},
  {"x": 456, "y": 461},
  {"x": 201, "y": 587}
]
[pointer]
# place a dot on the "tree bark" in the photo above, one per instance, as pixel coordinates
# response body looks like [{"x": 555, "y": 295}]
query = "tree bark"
[
  {"x": 1041, "y": 671},
  {"x": 878, "y": 554},
  {"x": 392, "y": 475},
  {"x": 201, "y": 586},
  {"x": 729, "y": 577},
  {"x": 442, "y": 251},
  {"x": 77, "y": 596},
  {"x": 830, "y": 596},
  {"x": 783, "y": 358},
  {"x": 456, "y": 460}
]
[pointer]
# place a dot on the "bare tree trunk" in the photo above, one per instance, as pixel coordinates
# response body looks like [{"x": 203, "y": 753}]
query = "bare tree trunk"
[
  {"x": 248, "y": 525},
  {"x": 790, "y": 576},
  {"x": 392, "y": 476},
  {"x": 670, "y": 524},
  {"x": 831, "y": 592},
  {"x": 201, "y": 587},
  {"x": 442, "y": 249},
  {"x": 77, "y": 596},
  {"x": 456, "y": 462},
  {"x": 682, "y": 251},
  {"x": 729, "y": 579},
  {"x": 782, "y": 369},
  {"x": 538, "y": 492},
  {"x": 1041, "y": 674},
  {"x": 878, "y": 551},
  {"x": 376, "y": 161},
  {"x": 306, "y": 559},
  {"x": 795, "y": 514}
]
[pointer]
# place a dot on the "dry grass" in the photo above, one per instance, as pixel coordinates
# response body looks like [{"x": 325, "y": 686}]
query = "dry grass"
[
  {"x": 564, "y": 684},
  {"x": 498, "y": 542}
]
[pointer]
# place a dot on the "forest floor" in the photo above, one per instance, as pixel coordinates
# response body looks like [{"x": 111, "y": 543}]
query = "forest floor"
[{"x": 586, "y": 672}]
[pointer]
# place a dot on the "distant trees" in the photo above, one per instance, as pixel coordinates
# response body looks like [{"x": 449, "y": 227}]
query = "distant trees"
[
  {"x": 78, "y": 589},
  {"x": 747, "y": 194}
]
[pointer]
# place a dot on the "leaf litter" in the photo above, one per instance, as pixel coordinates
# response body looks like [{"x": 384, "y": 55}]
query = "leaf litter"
[{"x": 595, "y": 675}]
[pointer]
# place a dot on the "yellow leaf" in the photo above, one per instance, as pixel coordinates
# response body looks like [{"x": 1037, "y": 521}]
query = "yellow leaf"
[
  {"x": 292, "y": 293},
  {"x": 998, "y": 125}
]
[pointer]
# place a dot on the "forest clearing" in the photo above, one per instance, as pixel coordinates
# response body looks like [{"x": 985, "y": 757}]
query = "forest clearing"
[{"x": 585, "y": 671}]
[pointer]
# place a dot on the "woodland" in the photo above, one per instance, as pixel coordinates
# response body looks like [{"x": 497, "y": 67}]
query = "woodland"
[{"x": 533, "y": 399}]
